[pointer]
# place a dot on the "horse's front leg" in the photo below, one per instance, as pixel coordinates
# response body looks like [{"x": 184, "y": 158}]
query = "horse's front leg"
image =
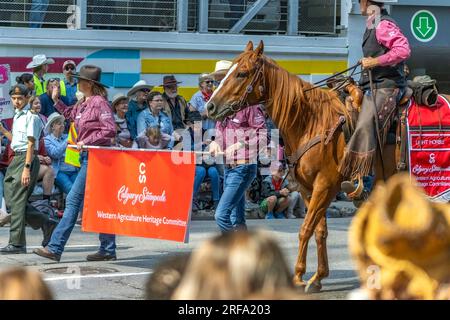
[
  {"x": 320, "y": 199},
  {"x": 321, "y": 233}
]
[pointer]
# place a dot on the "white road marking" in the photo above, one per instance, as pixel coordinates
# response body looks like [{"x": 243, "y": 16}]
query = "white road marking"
[{"x": 105, "y": 275}]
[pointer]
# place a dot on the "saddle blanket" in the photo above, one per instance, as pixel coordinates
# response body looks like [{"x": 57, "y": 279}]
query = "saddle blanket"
[{"x": 429, "y": 148}]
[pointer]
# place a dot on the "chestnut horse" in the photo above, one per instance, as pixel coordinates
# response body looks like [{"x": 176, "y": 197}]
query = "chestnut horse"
[{"x": 301, "y": 113}]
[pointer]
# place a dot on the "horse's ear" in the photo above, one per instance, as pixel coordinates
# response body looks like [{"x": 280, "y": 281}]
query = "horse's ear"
[
  {"x": 249, "y": 46},
  {"x": 260, "y": 49}
]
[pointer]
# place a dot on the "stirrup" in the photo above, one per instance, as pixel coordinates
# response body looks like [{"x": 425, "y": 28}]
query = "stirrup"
[{"x": 358, "y": 190}]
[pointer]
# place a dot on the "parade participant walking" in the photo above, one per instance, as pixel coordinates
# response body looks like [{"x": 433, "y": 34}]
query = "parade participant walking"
[
  {"x": 383, "y": 79},
  {"x": 22, "y": 172},
  {"x": 240, "y": 160},
  {"x": 39, "y": 64},
  {"x": 94, "y": 122}
]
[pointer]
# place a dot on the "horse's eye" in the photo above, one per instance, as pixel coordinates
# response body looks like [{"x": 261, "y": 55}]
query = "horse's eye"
[{"x": 242, "y": 75}]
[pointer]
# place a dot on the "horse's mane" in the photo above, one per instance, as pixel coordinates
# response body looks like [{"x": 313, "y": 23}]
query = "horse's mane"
[{"x": 290, "y": 106}]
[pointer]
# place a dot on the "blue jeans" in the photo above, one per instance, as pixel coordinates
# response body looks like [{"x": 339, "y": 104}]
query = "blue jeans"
[
  {"x": 213, "y": 173},
  {"x": 230, "y": 212},
  {"x": 38, "y": 12},
  {"x": 73, "y": 205},
  {"x": 65, "y": 180}
]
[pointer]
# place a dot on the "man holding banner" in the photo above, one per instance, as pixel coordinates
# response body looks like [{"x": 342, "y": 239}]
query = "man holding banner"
[{"x": 94, "y": 123}]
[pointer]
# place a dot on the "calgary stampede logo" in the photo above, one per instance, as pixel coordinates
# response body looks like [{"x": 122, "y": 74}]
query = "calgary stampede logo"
[{"x": 123, "y": 195}]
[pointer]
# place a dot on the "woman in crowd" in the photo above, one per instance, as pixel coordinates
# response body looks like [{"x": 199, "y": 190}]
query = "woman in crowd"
[
  {"x": 56, "y": 145},
  {"x": 94, "y": 122},
  {"x": 120, "y": 108},
  {"x": 137, "y": 103},
  {"x": 27, "y": 80},
  {"x": 154, "y": 116}
]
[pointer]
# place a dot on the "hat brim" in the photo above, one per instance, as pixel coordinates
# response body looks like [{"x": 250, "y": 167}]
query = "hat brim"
[
  {"x": 218, "y": 73},
  {"x": 48, "y": 125},
  {"x": 48, "y": 61},
  {"x": 170, "y": 83},
  {"x": 139, "y": 88},
  {"x": 96, "y": 82},
  {"x": 115, "y": 101}
]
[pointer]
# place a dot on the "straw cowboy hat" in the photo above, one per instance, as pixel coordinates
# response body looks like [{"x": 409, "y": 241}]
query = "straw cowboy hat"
[
  {"x": 404, "y": 238},
  {"x": 204, "y": 77},
  {"x": 169, "y": 81},
  {"x": 118, "y": 97},
  {"x": 139, "y": 86},
  {"x": 39, "y": 60},
  {"x": 221, "y": 68},
  {"x": 90, "y": 73},
  {"x": 51, "y": 119}
]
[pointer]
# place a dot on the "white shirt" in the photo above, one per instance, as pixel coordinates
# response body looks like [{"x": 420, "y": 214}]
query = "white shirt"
[{"x": 26, "y": 124}]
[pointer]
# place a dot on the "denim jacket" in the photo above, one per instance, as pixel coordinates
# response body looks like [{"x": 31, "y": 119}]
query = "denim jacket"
[
  {"x": 146, "y": 119},
  {"x": 56, "y": 150}
]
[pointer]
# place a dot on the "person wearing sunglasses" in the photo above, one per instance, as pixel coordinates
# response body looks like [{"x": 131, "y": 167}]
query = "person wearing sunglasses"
[
  {"x": 201, "y": 97},
  {"x": 69, "y": 85}
]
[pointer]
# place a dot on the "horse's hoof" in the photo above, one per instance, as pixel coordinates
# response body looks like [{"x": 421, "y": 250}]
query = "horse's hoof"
[
  {"x": 300, "y": 284},
  {"x": 312, "y": 287}
]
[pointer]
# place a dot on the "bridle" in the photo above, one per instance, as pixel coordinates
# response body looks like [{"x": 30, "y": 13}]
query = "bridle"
[{"x": 258, "y": 74}]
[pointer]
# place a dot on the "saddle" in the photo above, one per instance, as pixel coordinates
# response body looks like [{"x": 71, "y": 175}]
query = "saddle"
[{"x": 352, "y": 97}]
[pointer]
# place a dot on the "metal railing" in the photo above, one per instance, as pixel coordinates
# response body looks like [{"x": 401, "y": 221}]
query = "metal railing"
[{"x": 217, "y": 16}]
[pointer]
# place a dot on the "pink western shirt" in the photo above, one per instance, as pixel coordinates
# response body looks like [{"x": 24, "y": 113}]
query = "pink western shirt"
[
  {"x": 94, "y": 120},
  {"x": 390, "y": 36}
]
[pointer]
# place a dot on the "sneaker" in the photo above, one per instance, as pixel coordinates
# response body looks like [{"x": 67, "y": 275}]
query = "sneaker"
[
  {"x": 270, "y": 216},
  {"x": 280, "y": 216},
  {"x": 291, "y": 216}
]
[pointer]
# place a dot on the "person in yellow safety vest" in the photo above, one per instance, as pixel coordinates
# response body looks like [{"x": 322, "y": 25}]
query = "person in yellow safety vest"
[
  {"x": 69, "y": 85},
  {"x": 39, "y": 64}
]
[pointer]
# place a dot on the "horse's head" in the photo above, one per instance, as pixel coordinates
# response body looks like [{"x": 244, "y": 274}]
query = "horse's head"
[{"x": 242, "y": 86}]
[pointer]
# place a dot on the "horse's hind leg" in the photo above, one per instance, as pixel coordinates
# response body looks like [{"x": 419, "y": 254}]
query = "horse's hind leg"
[
  {"x": 320, "y": 200},
  {"x": 321, "y": 233}
]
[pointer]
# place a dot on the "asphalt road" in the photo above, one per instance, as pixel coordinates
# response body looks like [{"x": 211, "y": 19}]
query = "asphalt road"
[{"x": 125, "y": 278}]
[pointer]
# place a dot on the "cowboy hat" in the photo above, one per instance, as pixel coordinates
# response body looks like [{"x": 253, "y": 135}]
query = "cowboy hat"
[
  {"x": 39, "y": 60},
  {"x": 139, "y": 86},
  {"x": 404, "y": 236},
  {"x": 204, "y": 77},
  {"x": 221, "y": 68},
  {"x": 51, "y": 119},
  {"x": 169, "y": 81},
  {"x": 90, "y": 73},
  {"x": 118, "y": 97}
]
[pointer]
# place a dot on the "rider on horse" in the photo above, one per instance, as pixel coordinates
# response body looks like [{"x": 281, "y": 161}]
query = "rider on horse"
[{"x": 383, "y": 81}]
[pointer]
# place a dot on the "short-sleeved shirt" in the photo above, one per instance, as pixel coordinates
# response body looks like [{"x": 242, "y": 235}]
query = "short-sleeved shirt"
[{"x": 26, "y": 124}]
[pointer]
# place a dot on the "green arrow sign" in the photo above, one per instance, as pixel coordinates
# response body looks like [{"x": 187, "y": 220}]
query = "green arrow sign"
[{"x": 424, "y": 26}]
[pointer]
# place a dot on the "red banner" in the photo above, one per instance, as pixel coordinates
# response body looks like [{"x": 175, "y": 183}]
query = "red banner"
[
  {"x": 429, "y": 148},
  {"x": 138, "y": 193}
]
